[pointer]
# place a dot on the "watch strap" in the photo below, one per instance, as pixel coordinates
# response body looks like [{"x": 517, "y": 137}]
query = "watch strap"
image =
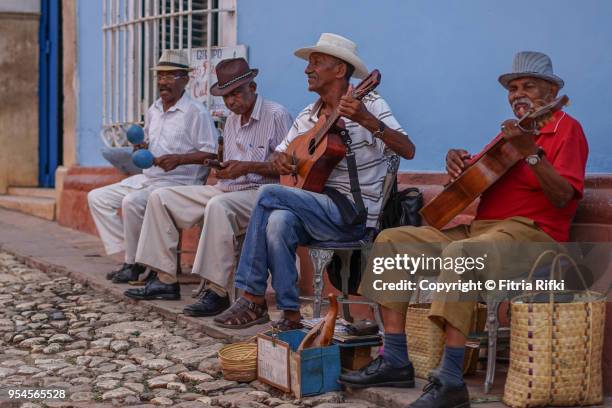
[{"x": 381, "y": 129}]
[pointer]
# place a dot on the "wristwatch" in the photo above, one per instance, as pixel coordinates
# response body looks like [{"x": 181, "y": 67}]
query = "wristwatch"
[
  {"x": 381, "y": 129},
  {"x": 534, "y": 159}
]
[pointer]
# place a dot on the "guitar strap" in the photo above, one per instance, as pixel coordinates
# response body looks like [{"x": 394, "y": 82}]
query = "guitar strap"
[{"x": 362, "y": 212}]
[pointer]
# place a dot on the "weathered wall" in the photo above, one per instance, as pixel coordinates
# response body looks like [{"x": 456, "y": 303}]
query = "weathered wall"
[
  {"x": 70, "y": 88},
  {"x": 70, "y": 80},
  {"x": 19, "y": 101}
]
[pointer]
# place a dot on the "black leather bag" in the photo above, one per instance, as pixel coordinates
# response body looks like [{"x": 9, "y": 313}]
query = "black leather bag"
[
  {"x": 403, "y": 208},
  {"x": 333, "y": 272}
]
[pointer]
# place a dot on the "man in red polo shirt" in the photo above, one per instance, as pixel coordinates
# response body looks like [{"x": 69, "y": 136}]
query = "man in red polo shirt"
[{"x": 534, "y": 201}]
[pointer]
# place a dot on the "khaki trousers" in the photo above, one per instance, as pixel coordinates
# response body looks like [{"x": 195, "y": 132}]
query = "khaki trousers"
[
  {"x": 120, "y": 232},
  {"x": 224, "y": 217},
  {"x": 444, "y": 309}
]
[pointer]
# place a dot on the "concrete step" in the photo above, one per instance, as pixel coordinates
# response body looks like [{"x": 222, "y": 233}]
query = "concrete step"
[
  {"x": 42, "y": 207},
  {"x": 32, "y": 192}
]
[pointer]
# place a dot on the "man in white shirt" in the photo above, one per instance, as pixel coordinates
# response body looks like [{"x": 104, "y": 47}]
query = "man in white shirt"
[
  {"x": 285, "y": 217},
  {"x": 252, "y": 131},
  {"x": 181, "y": 135}
]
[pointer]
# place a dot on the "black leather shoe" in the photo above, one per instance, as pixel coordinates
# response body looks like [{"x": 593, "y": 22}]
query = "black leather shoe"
[
  {"x": 128, "y": 274},
  {"x": 155, "y": 289},
  {"x": 209, "y": 304},
  {"x": 379, "y": 373},
  {"x": 438, "y": 395},
  {"x": 111, "y": 274}
]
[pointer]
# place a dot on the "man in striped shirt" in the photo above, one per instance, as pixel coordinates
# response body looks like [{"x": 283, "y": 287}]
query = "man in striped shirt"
[
  {"x": 252, "y": 131},
  {"x": 286, "y": 217},
  {"x": 180, "y": 134}
]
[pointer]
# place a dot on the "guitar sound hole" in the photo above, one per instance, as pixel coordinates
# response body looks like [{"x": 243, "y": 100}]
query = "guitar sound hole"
[{"x": 311, "y": 146}]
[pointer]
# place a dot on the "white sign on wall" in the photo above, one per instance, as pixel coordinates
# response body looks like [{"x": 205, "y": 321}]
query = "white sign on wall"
[{"x": 200, "y": 80}]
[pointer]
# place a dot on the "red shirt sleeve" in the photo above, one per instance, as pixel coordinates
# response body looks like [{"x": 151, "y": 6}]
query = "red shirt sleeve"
[{"x": 571, "y": 156}]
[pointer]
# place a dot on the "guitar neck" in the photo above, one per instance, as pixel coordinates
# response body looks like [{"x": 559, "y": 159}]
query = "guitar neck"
[
  {"x": 365, "y": 87},
  {"x": 331, "y": 121}
]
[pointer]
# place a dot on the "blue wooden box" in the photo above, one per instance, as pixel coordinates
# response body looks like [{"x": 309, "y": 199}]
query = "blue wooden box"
[{"x": 312, "y": 371}]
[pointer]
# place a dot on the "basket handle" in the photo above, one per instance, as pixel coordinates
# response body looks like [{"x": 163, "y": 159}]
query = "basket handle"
[
  {"x": 557, "y": 263},
  {"x": 538, "y": 261}
]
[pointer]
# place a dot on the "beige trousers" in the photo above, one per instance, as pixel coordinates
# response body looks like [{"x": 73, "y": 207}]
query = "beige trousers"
[
  {"x": 224, "y": 217},
  {"x": 120, "y": 232},
  {"x": 445, "y": 308}
]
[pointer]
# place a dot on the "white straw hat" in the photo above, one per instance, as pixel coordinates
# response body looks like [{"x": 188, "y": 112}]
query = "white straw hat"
[
  {"x": 172, "y": 60},
  {"x": 339, "y": 47}
]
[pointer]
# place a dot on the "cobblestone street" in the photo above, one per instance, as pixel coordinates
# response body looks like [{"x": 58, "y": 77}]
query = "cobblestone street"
[{"x": 55, "y": 333}]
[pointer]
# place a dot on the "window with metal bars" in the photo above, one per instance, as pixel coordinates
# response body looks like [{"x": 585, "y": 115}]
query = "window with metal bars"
[
  {"x": 135, "y": 33},
  {"x": 198, "y": 26}
]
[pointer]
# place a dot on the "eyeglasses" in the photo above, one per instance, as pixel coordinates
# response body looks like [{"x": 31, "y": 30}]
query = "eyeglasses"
[{"x": 169, "y": 77}]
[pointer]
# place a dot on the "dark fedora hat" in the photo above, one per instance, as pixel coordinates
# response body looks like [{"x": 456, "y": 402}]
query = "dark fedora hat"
[{"x": 231, "y": 73}]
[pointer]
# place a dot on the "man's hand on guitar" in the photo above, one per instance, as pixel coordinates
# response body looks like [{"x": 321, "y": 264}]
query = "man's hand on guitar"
[
  {"x": 283, "y": 163},
  {"x": 355, "y": 110},
  {"x": 523, "y": 142},
  {"x": 456, "y": 162}
]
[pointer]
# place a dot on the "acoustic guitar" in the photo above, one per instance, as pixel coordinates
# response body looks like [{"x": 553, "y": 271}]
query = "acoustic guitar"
[
  {"x": 493, "y": 163},
  {"x": 317, "y": 152}
]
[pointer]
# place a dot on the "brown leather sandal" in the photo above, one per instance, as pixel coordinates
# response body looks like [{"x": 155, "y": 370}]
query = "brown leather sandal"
[
  {"x": 243, "y": 314},
  {"x": 285, "y": 324}
]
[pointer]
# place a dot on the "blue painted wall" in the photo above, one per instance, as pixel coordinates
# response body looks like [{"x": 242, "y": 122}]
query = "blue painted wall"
[
  {"x": 89, "y": 66},
  {"x": 440, "y": 61}
]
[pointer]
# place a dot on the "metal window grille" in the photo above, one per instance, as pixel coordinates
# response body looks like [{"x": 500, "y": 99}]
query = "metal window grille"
[{"x": 135, "y": 33}]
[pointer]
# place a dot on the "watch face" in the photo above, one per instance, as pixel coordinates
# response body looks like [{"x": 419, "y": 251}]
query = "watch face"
[{"x": 533, "y": 160}]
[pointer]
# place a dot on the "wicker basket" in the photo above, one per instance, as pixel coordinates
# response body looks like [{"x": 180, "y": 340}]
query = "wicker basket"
[
  {"x": 426, "y": 340},
  {"x": 239, "y": 362},
  {"x": 556, "y": 350}
]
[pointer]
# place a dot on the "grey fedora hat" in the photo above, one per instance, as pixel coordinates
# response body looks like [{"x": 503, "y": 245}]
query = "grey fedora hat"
[{"x": 531, "y": 64}]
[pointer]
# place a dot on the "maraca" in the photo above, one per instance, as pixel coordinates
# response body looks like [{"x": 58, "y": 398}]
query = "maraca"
[
  {"x": 143, "y": 158},
  {"x": 135, "y": 135}
]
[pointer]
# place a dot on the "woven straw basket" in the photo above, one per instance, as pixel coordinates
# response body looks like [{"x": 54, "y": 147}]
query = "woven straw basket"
[
  {"x": 426, "y": 340},
  {"x": 556, "y": 349},
  {"x": 239, "y": 362}
]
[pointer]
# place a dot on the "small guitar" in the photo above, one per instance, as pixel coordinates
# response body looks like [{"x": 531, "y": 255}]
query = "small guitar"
[
  {"x": 317, "y": 152},
  {"x": 484, "y": 172}
]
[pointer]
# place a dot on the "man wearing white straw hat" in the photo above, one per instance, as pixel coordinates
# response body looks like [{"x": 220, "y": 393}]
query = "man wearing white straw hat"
[
  {"x": 285, "y": 217},
  {"x": 180, "y": 134},
  {"x": 527, "y": 210}
]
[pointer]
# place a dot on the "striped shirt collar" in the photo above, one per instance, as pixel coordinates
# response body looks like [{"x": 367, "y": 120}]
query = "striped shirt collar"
[
  {"x": 256, "y": 114},
  {"x": 181, "y": 104}
]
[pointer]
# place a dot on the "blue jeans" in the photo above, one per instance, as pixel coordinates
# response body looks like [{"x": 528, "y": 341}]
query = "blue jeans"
[{"x": 283, "y": 218}]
